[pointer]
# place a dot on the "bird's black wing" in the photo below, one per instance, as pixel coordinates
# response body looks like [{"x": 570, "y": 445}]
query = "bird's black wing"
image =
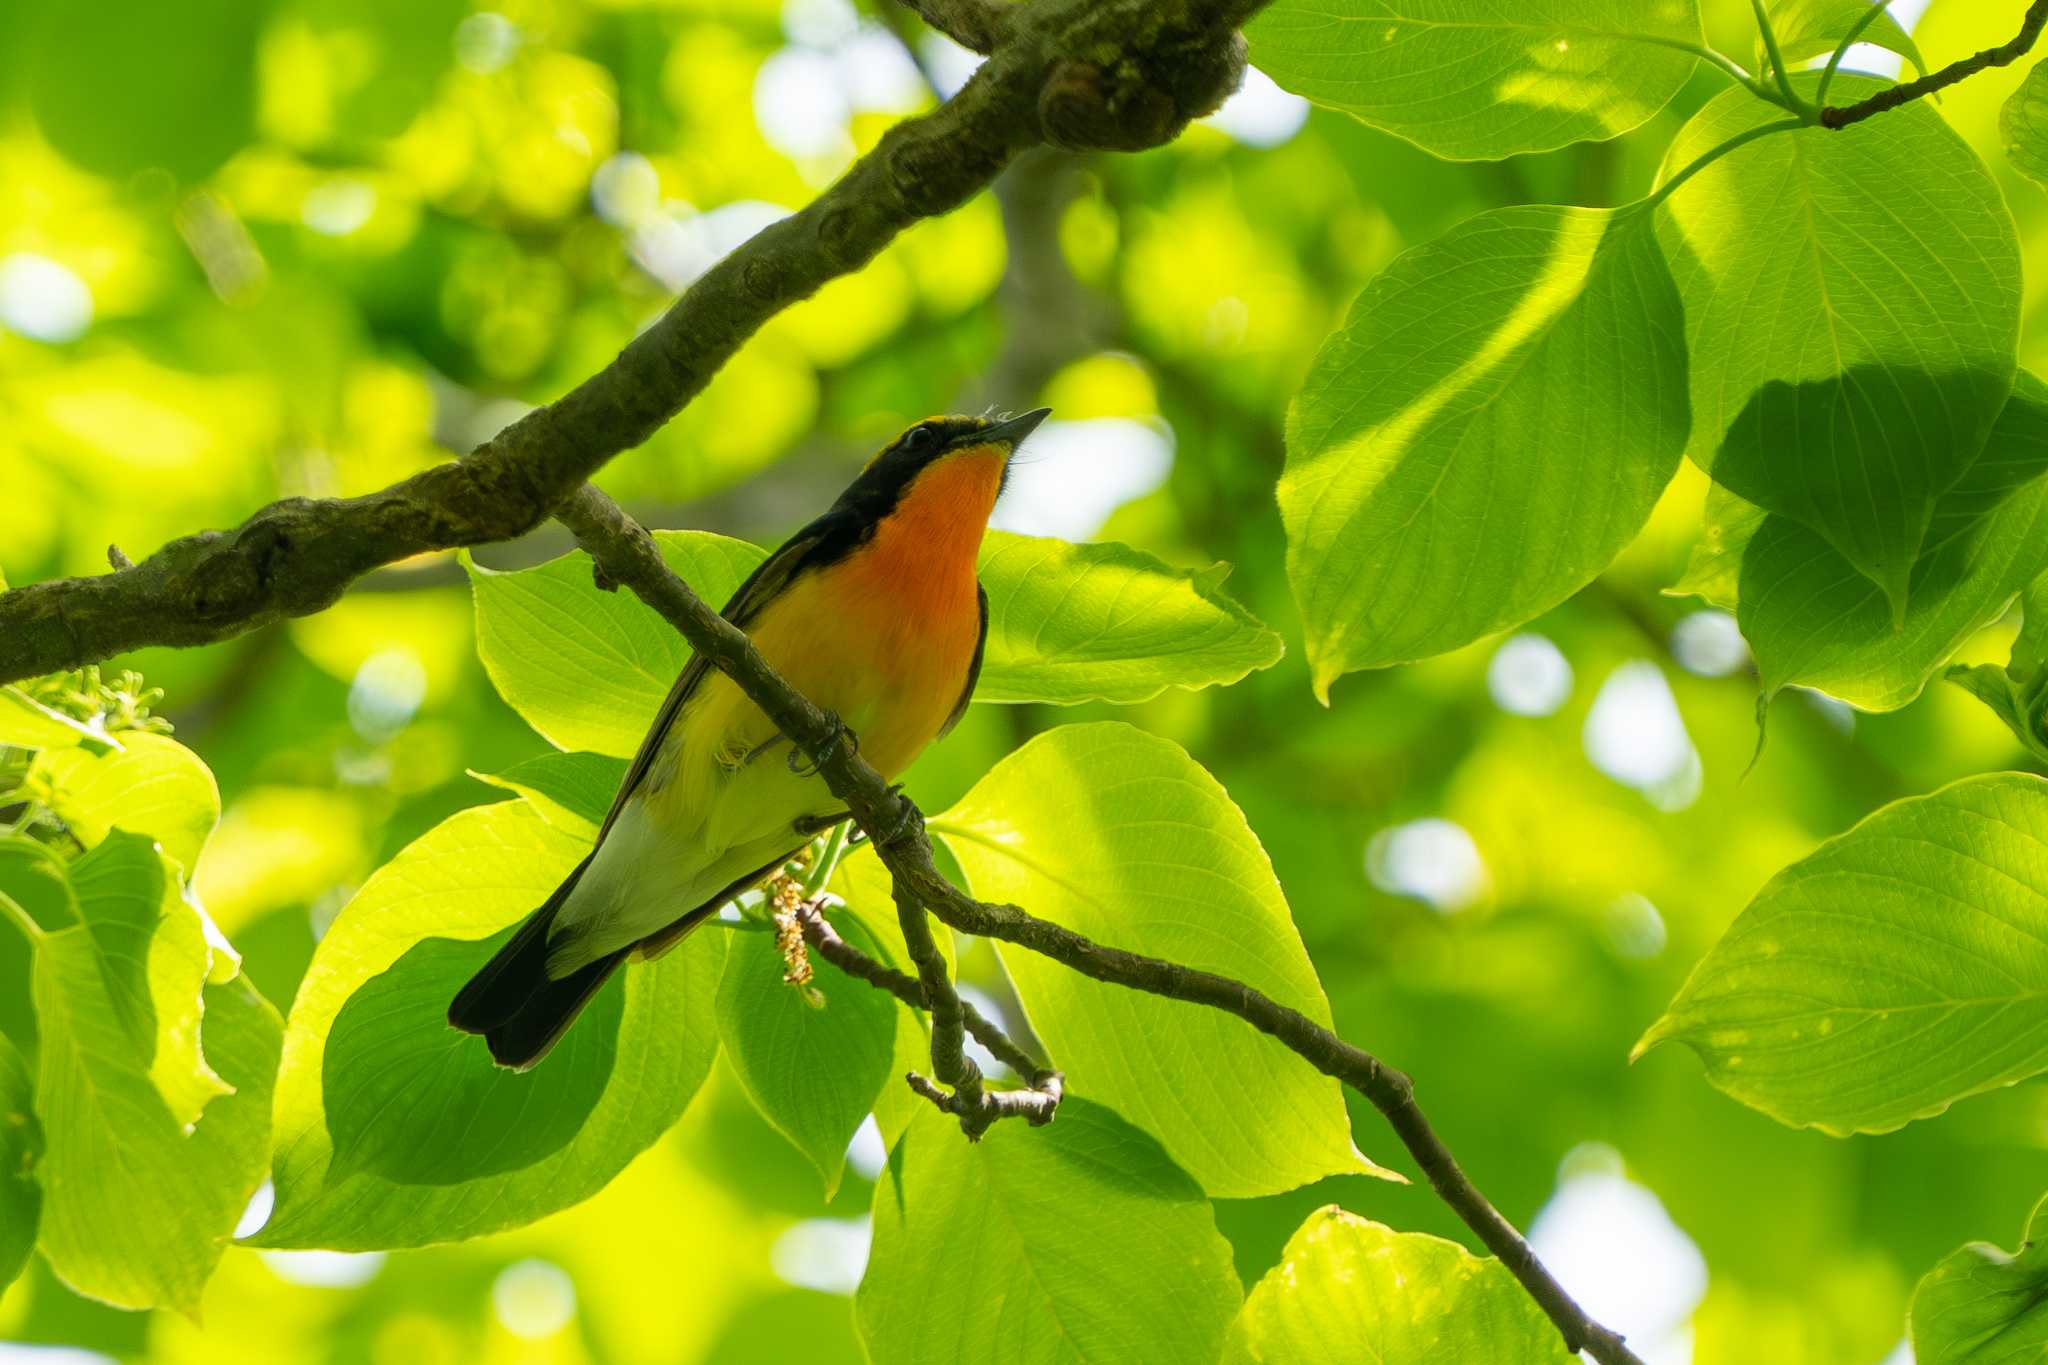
[
  {"x": 768, "y": 580},
  {"x": 973, "y": 669}
]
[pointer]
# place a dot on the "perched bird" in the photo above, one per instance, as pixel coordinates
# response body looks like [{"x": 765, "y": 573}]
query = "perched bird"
[{"x": 872, "y": 611}]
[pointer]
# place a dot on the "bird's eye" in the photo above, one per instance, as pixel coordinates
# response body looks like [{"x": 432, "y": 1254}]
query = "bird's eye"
[{"x": 918, "y": 440}]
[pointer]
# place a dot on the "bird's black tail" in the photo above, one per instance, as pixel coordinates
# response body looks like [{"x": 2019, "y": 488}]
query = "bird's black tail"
[{"x": 519, "y": 1009}]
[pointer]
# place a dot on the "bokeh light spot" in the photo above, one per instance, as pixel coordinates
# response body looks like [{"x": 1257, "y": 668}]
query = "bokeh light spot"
[
  {"x": 1433, "y": 860},
  {"x": 43, "y": 299},
  {"x": 1709, "y": 643},
  {"x": 1529, "y": 676},
  {"x": 533, "y": 1299}
]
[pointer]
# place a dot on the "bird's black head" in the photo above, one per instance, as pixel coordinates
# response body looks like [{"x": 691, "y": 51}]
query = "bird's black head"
[{"x": 892, "y": 471}]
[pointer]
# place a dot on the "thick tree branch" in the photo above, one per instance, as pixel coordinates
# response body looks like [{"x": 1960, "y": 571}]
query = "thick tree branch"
[
  {"x": 627, "y": 555},
  {"x": 977, "y": 25},
  {"x": 2005, "y": 54},
  {"x": 1117, "y": 74}
]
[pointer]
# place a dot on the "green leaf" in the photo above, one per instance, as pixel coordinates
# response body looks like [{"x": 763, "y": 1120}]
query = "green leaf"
[
  {"x": 868, "y": 917},
  {"x": 1080, "y": 1241},
  {"x": 136, "y": 1209},
  {"x": 1851, "y": 317},
  {"x": 1808, "y": 29},
  {"x": 570, "y": 791},
  {"x": 812, "y": 1070},
  {"x": 26, "y": 723},
  {"x": 1811, "y": 620},
  {"x": 1400, "y": 1296},
  {"x": 2018, "y": 693},
  {"x": 588, "y": 668},
  {"x": 133, "y": 84},
  {"x": 1488, "y": 429},
  {"x": 1473, "y": 80},
  {"x": 155, "y": 961},
  {"x": 616, "y": 1083},
  {"x": 21, "y": 1145},
  {"x": 153, "y": 786},
  {"x": 1896, "y": 970},
  {"x": 2023, "y": 125},
  {"x": 1984, "y": 1306},
  {"x": 1074, "y": 623},
  {"x": 36, "y": 879},
  {"x": 1122, "y": 837}
]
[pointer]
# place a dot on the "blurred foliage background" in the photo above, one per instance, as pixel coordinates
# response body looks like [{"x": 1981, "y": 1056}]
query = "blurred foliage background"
[{"x": 254, "y": 248}]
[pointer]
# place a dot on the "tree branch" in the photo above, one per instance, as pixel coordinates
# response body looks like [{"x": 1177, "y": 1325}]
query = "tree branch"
[
  {"x": 1176, "y": 60},
  {"x": 627, "y": 555},
  {"x": 977, "y": 25},
  {"x": 2005, "y": 54},
  {"x": 1037, "y": 1102}
]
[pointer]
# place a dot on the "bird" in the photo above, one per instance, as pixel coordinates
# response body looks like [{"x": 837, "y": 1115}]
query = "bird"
[{"x": 874, "y": 612}]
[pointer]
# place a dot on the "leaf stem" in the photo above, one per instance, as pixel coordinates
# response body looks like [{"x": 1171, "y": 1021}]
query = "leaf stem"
[
  {"x": 1827, "y": 77},
  {"x": 827, "y": 862},
  {"x": 1791, "y": 97},
  {"x": 1708, "y": 158},
  {"x": 24, "y": 921}
]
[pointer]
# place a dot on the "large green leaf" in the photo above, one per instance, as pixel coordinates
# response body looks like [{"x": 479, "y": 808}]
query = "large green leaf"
[
  {"x": 1488, "y": 429},
  {"x": 1899, "y": 968},
  {"x": 155, "y": 962},
  {"x": 1813, "y": 621},
  {"x": 1074, "y": 623},
  {"x": 1076, "y": 1242},
  {"x": 588, "y": 668},
  {"x": 572, "y": 791},
  {"x": 129, "y": 85},
  {"x": 1393, "y": 1296},
  {"x": 21, "y": 1144},
  {"x": 1474, "y": 79},
  {"x": 813, "y": 1070},
  {"x": 1984, "y": 1306},
  {"x": 1851, "y": 306},
  {"x": 369, "y": 1029},
  {"x": 136, "y": 1208},
  {"x": 1808, "y": 29},
  {"x": 152, "y": 785},
  {"x": 2018, "y": 692},
  {"x": 1122, "y": 837},
  {"x": 2023, "y": 125}
]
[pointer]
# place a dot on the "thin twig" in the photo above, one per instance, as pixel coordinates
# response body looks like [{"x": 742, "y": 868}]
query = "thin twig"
[
  {"x": 895, "y": 827},
  {"x": 2005, "y": 54}
]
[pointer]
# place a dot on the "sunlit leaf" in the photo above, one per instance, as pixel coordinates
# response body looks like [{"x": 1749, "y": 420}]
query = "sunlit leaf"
[
  {"x": 1398, "y": 1296},
  {"x": 369, "y": 1027},
  {"x": 1851, "y": 306},
  {"x": 1898, "y": 969},
  {"x": 1983, "y": 1305},
  {"x": 2023, "y": 125},
  {"x": 2018, "y": 692},
  {"x": 1473, "y": 80},
  {"x": 155, "y": 961},
  {"x": 1808, "y": 29},
  {"x": 1073, "y": 623},
  {"x": 1813, "y": 621},
  {"x": 813, "y": 1070},
  {"x": 152, "y": 786},
  {"x": 588, "y": 668},
  {"x": 26, "y": 723},
  {"x": 1492, "y": 424},
  {"x": 136, "y": 1210},
  {"x": 572, "y": 791},
  {"x": 1080, "y": 1241},
  {"x": 21, "y": 1143},
  {"x": 1122, "y": 837}
]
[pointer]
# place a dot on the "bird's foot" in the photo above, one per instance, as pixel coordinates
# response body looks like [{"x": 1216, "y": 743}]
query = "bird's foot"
[{"x": 842, "y": 733}]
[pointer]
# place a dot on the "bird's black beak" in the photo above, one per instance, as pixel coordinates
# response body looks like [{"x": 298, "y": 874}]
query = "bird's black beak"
[{"x": 1012, "y": 431}]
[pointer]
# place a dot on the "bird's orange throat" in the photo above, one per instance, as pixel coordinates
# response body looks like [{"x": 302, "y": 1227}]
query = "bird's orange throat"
[{"x": 921, "y": 556}]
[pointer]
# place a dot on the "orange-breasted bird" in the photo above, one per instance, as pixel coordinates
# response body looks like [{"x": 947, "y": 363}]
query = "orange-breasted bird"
[{"x": 872, "y": 611}]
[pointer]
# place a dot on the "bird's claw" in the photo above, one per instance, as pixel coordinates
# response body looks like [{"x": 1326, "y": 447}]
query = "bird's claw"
[{"x": 841, "y": 733}]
